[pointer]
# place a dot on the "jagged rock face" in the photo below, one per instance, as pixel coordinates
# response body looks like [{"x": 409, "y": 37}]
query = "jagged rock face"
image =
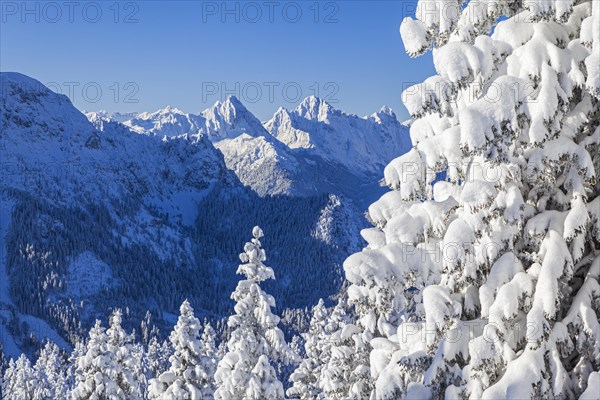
[{"x": 262, "y": 165}]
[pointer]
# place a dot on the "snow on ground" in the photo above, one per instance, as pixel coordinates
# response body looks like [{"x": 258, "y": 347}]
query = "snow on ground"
[
  {"x": 87, "y": 275},
  {"x": 43, "y": 331}
]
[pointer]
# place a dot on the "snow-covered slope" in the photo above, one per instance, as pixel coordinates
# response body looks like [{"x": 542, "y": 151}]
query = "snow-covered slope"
[
  {"x": 55, "y": 162},
  {"x": 264, "y": 165},
  {"x": 105, "y": 115},
  {"x": 258, "y": 160},
  {"x": 43, "y": 132}
]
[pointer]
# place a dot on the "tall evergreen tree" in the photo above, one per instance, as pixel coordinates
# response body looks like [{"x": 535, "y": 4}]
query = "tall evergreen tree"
[
  {"x": 107, "y": 368},
  {"x": 50, "y": 374},
  {"x": 484, "y": 284},
  {"x": 188, "y": 376},
  {"x": 3, "y": 367},
  {"x": 306, "y": 376},
  {"x": 210, "y": 354},
  {"x": 19, "y": 383},
  {"x": 158, "y": 354},
  {"x": 344, "y": 357},
  {"x": 245, "y": 372}
]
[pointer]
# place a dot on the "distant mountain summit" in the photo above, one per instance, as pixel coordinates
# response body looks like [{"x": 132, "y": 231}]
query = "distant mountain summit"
[
  {"x": 229, "y": 119},
  {"x": 313, "y": 108}
]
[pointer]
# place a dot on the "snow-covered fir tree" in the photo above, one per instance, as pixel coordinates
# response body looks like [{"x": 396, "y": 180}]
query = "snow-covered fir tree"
[
  {"x": 209, "y": 341},
  {"x": 129, "y": 357},
  {"x": 18, "y": 382},
  {"x": 157, "y": 355},
  {"x": 50, "y": 374},
  {"x": 306, "y": 376},
  {"x": 147, "y": 329},
  {"x": 78, "y": 352},
  {"x": 245, "y": 372},
  {"x": 344, "y": 356},
  {"x": 189, "y": 374},
  {"x": 107, "y": 369},
  {"x": 210, "y": 352},
  {"x": 3, "y": 366},
  {"x": 484, "y": 284}
]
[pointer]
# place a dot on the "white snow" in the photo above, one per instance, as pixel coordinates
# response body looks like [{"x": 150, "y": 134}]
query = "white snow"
[{"x": 87, "y": 275}]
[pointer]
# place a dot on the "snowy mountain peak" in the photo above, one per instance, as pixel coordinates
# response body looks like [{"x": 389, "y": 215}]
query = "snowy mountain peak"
[
  {"x": 168, "y": 112},
  {"x": 108, "y": 116},
  {"x": 384, "y": 116},
  {"x": 230, "y": 118},
  {"x": 234, "y": 102},
  {"x": 314, "y": 108},
  {"x": 387, "y": 111},
  {"x": 227, "y": 109}
]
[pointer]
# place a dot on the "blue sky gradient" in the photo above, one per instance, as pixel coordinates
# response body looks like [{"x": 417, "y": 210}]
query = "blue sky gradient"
[{"x": 141, "y": 56}]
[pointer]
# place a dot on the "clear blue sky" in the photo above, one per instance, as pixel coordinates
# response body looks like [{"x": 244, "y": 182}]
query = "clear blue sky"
[{"x": 190, "y": 54}]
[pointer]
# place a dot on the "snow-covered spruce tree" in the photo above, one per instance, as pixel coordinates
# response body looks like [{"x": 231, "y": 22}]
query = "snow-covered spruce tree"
[
  {"x": 188, "y": 376},
  {"x": 78, "y": 352},
  {"x": 306, "y": 376},
  {"x": 50, "y": 374},
  {"x": 485, "y": 284},
  {"x": 345, "y": 358},
  {"x": 208, "y": 343},
  {"x": 129, "y": 357},
  {"x": 19, "y": 382},
  {"x": 157, "y": 356},
  {"x": 107, "y": 368},
  {"x": 245, "y": 372}
]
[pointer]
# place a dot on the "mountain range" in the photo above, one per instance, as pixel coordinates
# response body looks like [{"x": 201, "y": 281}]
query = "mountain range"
[
  {"x": 312, "y": 149},
  {"x": 141, "y": 210}
]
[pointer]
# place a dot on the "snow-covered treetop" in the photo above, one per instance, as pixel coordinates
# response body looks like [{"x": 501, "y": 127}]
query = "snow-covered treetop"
[
  {"x": 185, "y": 337},
  {"x": 116, "y": 335},
  {"x": 253, "y": 258},
  {"x": 438, "y": 22}
]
